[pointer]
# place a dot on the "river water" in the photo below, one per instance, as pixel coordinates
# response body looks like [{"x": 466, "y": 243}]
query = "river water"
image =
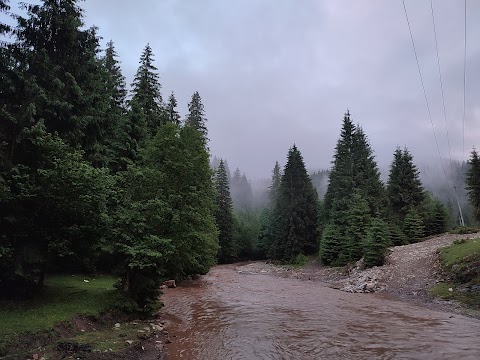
[{"x": 232, "y": 315}]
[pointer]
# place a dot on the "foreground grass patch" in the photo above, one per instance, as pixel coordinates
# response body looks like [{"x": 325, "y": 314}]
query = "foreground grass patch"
[
  {"x": 62, "y": 298},
  {"x": 461, "y": 262}
]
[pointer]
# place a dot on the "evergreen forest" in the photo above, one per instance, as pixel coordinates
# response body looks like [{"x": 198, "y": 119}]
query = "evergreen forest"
[{"x": 101, "y": 176}]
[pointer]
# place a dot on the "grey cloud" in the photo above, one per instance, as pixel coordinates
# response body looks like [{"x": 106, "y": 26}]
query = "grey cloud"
[{"x": 273, "y": 73}]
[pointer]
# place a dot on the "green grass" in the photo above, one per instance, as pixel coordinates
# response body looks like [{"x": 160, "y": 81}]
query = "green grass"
[
  {"x": 457, "y": 253},
  {"x": 464, "y": 230},
  {"x": 461, "y": 261},
  {"x": 62, "y": 298},
  {"x": 441, "y": 290}
]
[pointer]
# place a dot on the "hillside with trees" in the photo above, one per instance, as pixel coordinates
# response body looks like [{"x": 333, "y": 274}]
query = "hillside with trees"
[{"x": 100, "y": 177}]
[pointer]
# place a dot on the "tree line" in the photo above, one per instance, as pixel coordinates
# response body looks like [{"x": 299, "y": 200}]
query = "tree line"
[
  {"x": 98, "y": 178},
  {"x": 94, "y": 177}
]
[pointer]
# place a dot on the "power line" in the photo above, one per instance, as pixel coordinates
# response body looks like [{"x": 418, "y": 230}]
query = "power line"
[
  {"x": 424, "y": 91},
  {"x": 441, "y": 90},
  {"x": 428, "y": 109}
]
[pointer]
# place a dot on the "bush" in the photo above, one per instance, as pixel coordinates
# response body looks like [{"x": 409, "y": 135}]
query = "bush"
[
  {"x": 413, "y": 226},
  {"x": 300, "y": 260}
]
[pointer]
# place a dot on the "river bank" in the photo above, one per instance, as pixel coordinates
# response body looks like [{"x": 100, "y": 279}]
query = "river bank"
[
  {"x": 261, "y": 291},
  {"x": 408, "y": 275},
  {"x": 235, "y": 312}
]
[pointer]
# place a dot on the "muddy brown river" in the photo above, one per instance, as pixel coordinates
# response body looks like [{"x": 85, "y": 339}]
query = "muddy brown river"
[{"x": 232, "y": 315}]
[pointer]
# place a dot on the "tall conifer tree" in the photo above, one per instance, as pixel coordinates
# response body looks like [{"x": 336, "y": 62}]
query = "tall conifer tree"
[
  {"x": 115, "y": 80},
  {"x": 354, "y": 195},
  {"x": 296, "y": 212},
  {"x": 404, "y": 187},
  {"x": 473, "y": 183},
  {"x": 147, "y": 91},
  {"x": 171, "y": 110},
  {"x": 62, "y": 58},
  {"x": 196, "y": 115},
  {"x": 224, "y": 215}
]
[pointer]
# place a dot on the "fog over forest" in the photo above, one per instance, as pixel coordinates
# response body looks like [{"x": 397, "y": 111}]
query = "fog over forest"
[
  {"x": 328, "y": 146},
  {"x": 275, "y": 73}
]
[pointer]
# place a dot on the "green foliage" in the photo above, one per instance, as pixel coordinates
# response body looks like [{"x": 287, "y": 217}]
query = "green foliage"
[
  {"x": 4, "y": 7},
  {"x": 61, "y": 65},
  {"x": 87, "y": 181},
  {"x": 434, "y": 215},
  {"x": 246, "y": 235},
  {"x": 404, "y": 188},
  {"x": 397, "y": 235},
  {"x": 296, "y": 213},
  {"x": 354, "y": 195},
  {"x": 413, "y": 226},
  {"x": 461, "y": 261},
  {"x": 224, "y": 216},
  {"x": 62, "y": 298},
  {"x": 300, "y": 260},
  {"x": 146, "y": 92},
  {"x": 357, "y": 224},
  {"x": 165, "y": 226},
  {"x": 464, "y": 230},
  {"x": 473, "y": 183},
  {"x": 171, "y": 110},
  {"x": 353, "y": 167},
  {"x": 274, "y": 187},
  {"x": 459, "y": 253},
  {"x": 196, "y": 115},
  {"x": 330, "y": 245},
  {"x": 376, "y": 243},
  {"x": 57, "y": 210}
]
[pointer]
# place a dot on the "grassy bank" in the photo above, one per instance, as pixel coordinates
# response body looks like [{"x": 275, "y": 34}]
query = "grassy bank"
[
  {"x": 62, "y": 298},
  {"x": 461, "y": 262}
]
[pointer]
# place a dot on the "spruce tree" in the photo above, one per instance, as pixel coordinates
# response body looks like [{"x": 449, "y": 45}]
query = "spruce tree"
[
  {"x": 267, "y": 231},
  {"x": 296, "y": 212},
  {"x": 330, "y": 245},
  {"x": 354, "y": 194},
  {"x": 61, "y": 57},
  {"x": 357, "y": 226},
  {"x": 115, "y": 79},
  {"x": 171, "y": 110},
  {"x": 376, "y": 243},
  {"x": 440, "y": 218},
  {"x": 146, "y": 90},
  {"x": 275, "y": 184},
  {"x": 473, "y": 183},
  {"x": 196, "y": 115},
  {"x": 413, "y": 226},
  {"x": 241, "y": 191},
  {"x": 404, "y": 188},
  {"x": 114, "y": 128},
  {"x": 341, "y": 175},
  {"x": 366, "y": 176},
  {"x": 224, "y": 216}
]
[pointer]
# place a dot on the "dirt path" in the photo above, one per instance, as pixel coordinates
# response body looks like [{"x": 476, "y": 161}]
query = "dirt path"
[{"x": 412, "y": 269}]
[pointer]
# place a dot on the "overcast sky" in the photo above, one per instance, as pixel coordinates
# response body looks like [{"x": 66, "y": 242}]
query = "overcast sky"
[{"x": 276, "y": 72}]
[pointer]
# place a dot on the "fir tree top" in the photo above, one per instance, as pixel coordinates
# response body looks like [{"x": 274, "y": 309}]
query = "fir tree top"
[
  {"x": 147, "y": 90},
  {"x": 196, "y": 116}
]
